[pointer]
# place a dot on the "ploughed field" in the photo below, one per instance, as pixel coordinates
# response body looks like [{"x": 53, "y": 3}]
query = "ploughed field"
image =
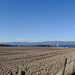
[{"x": 35, "y": 60}]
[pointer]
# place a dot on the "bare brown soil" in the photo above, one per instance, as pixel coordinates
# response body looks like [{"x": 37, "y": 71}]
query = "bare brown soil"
[{"x": 35, "y": 60}]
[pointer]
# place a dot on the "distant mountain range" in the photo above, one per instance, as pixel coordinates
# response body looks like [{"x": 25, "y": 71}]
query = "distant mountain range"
[{"x": 41, "y": 43}]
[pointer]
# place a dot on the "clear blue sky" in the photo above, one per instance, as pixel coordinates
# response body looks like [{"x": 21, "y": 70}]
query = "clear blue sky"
[{"x": 37, "y": 20}]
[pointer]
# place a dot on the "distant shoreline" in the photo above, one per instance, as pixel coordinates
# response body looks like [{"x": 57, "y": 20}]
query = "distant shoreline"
[{"x": 6, "y": 45}]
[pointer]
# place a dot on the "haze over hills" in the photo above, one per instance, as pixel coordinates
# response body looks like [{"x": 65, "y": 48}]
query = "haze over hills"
[{"x": 41, "y": 43}]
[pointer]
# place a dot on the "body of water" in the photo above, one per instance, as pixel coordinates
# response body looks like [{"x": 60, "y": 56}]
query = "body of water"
[{"x": 56, "y": 45}]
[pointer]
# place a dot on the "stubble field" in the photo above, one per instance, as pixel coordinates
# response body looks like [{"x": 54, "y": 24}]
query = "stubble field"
[{"x": 35, "y": 60}]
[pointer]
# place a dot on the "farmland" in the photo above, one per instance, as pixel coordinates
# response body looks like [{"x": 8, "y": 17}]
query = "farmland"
[{"x": 35, "y": 60}]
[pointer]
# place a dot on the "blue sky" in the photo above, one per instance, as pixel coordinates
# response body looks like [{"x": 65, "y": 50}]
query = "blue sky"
[{"x": 37, "y": 20}]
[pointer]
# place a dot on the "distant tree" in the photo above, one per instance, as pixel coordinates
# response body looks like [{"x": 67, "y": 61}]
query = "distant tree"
[
  {"x": 43, "y": 45},
  {"x": 4, "y": 45}
]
